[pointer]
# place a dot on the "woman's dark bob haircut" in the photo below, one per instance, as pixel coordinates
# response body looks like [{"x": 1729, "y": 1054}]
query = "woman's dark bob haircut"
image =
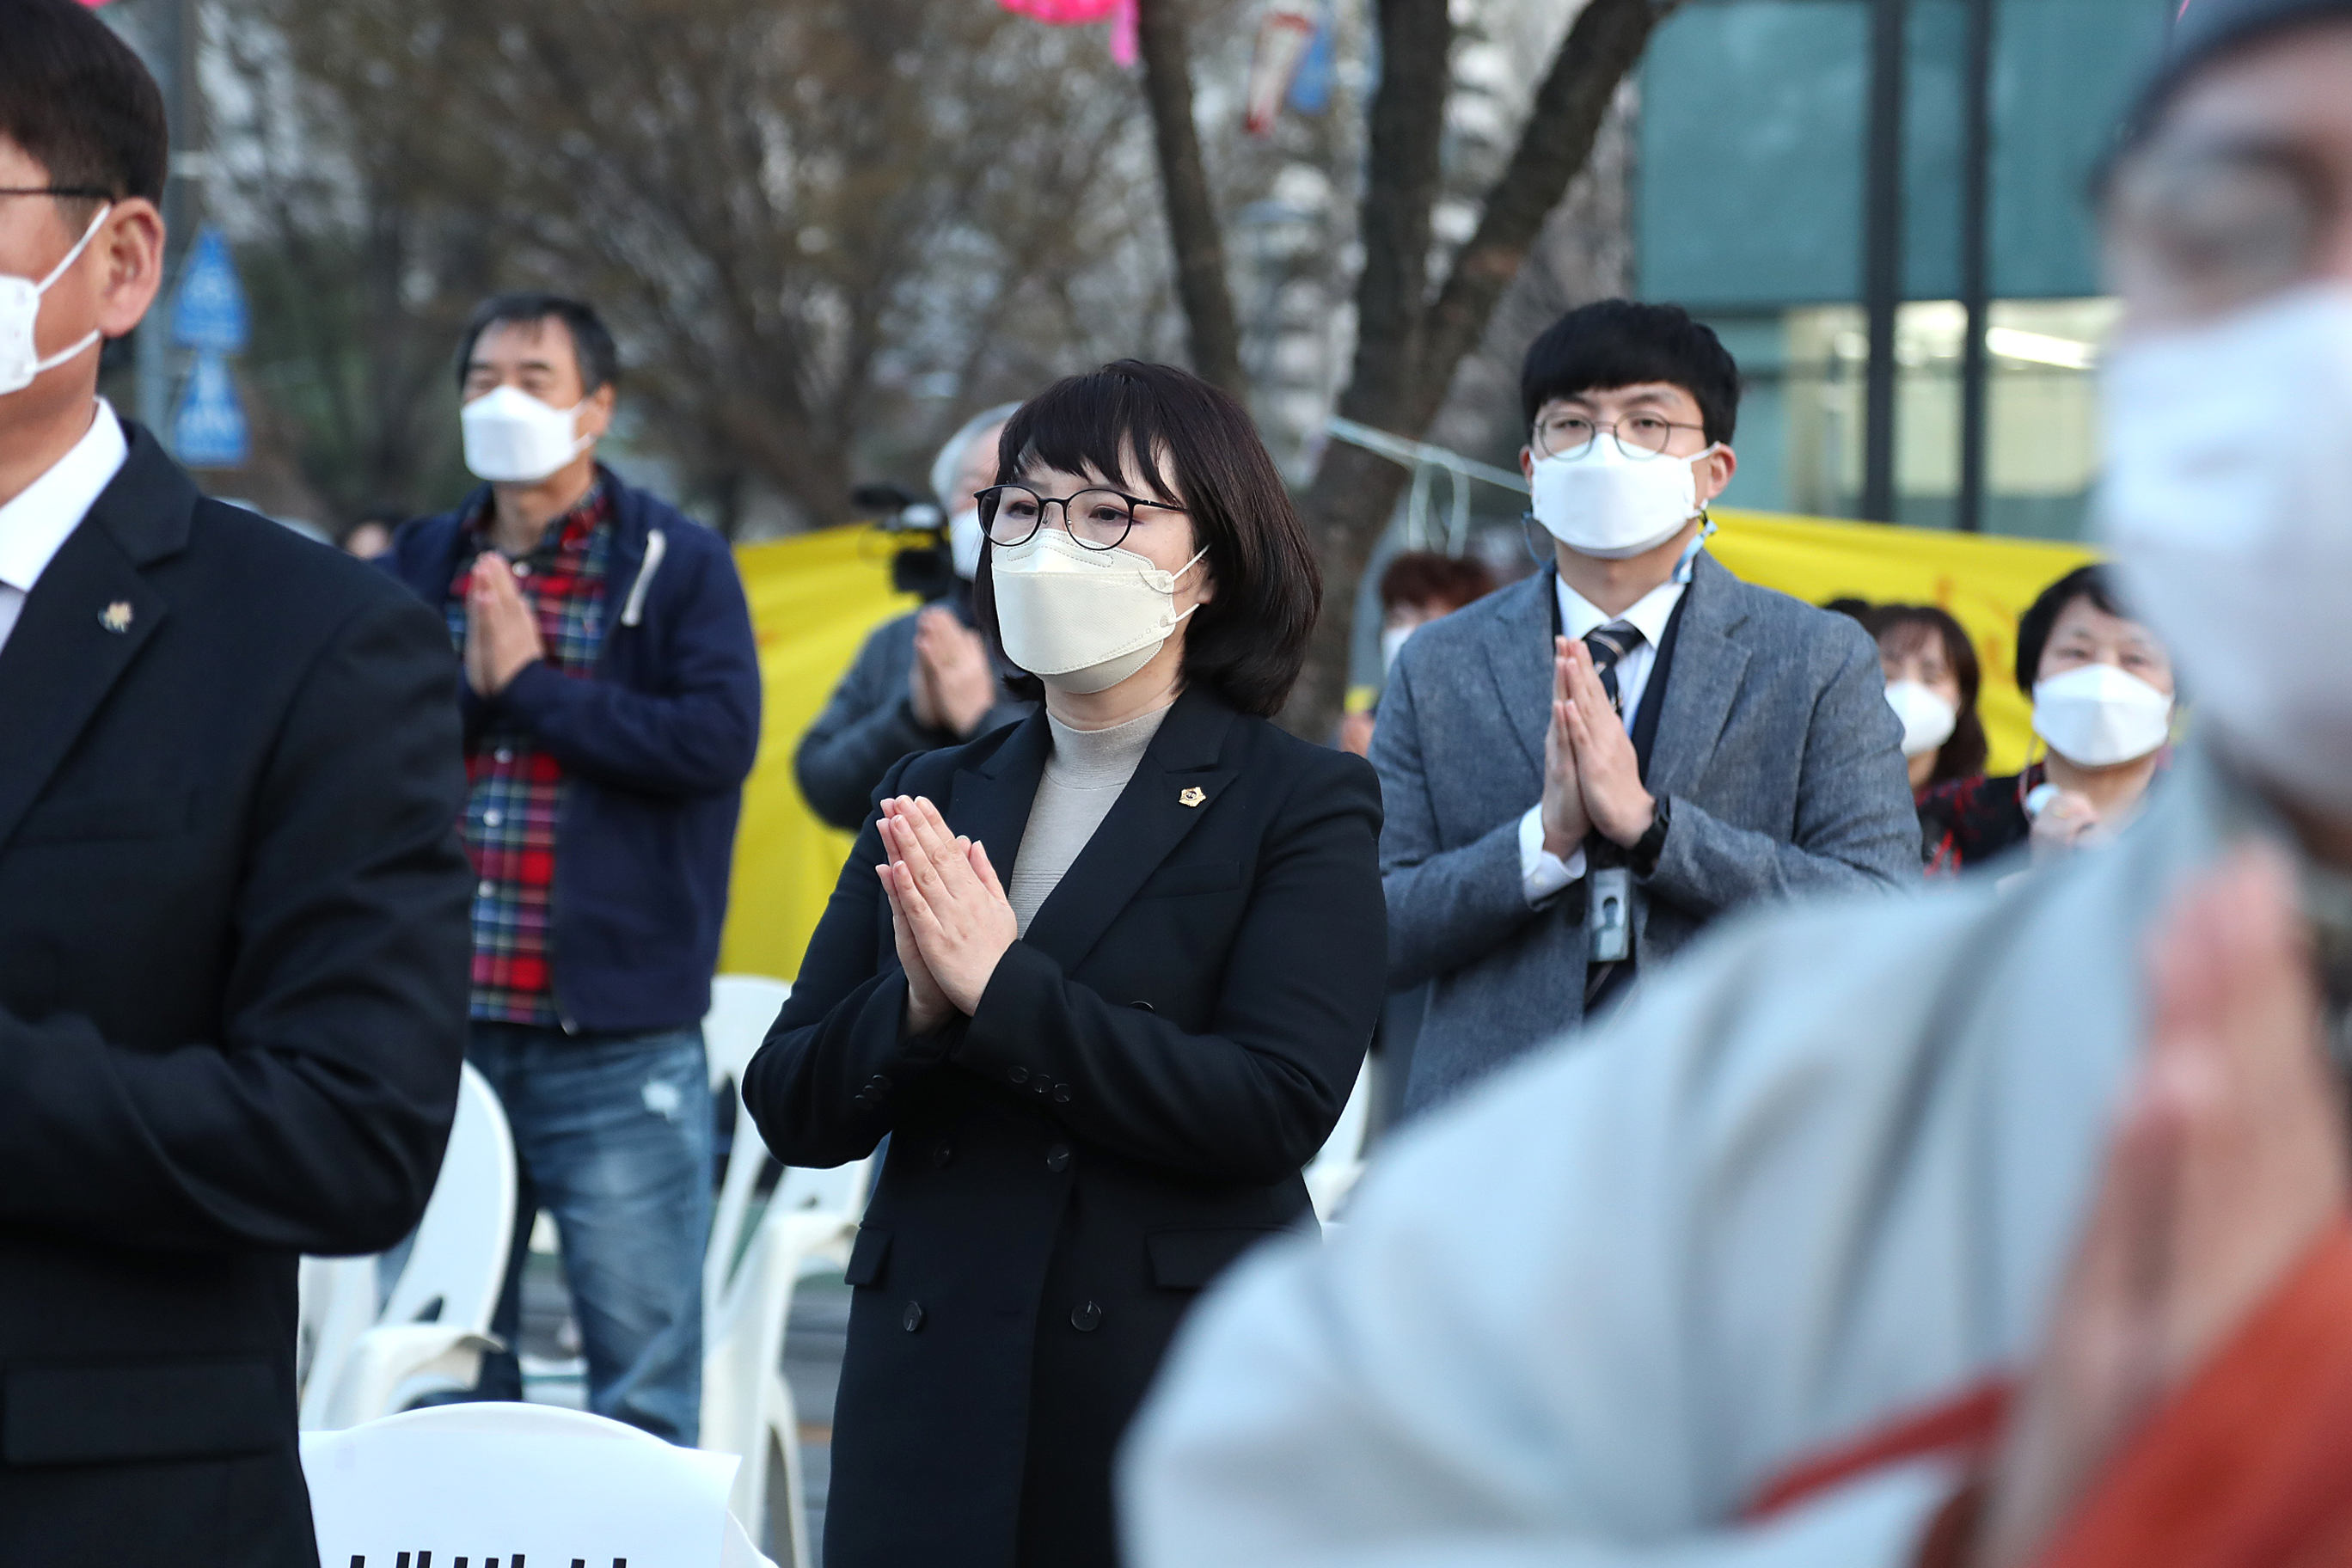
[{"x": 1123, "y": 422}]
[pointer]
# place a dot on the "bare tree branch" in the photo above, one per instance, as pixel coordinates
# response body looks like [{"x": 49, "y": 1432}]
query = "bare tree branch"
[{"x": 1213, "y": 334}]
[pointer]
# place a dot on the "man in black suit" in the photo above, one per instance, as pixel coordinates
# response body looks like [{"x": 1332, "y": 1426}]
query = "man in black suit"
[{"x": 233, "y": 939}]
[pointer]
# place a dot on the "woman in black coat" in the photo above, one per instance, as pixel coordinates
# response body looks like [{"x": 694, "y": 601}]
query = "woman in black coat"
[{"x": 1106, "y": 976}]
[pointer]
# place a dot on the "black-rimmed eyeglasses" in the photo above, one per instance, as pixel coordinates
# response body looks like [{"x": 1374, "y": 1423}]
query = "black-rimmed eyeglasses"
[
  {"x": 93, "y": 192},
  {"x": 1098, "y": 519}
]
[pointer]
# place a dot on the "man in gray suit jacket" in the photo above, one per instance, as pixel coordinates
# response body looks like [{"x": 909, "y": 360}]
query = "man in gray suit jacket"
[{"x": 1582, "y": 770}]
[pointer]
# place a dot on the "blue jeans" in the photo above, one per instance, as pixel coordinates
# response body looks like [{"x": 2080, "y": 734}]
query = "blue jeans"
[{"x": 612, "y": 1138}]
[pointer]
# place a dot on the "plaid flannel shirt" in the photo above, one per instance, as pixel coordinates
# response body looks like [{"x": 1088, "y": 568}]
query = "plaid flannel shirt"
[{"x": 509, "y": 822}]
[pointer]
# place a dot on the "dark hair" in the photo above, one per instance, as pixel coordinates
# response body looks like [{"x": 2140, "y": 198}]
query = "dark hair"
[
  {"x": 592, "y": 345},
  {"x": 2033, "y": 626},
  {"x": 79, "y": 101},
  {"x": 1849, "y": 606},
  {"x": 1897, "y": 628},
  {"x": 1249, "y": 641},
  {"x": 1425, "y": 577},
  {"x": 1623, "y": 343}
]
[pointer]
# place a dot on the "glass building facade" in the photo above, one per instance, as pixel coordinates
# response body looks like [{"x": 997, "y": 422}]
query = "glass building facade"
[{"x": 1749, "y": 210}]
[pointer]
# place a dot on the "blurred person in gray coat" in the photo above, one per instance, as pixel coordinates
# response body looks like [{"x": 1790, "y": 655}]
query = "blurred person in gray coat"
[
  {"x": 1584, "y": 769},
  {"x": 925, "y": 680}
]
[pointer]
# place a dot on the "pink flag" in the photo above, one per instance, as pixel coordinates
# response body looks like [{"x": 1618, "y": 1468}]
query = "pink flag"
[{"x": 1119, "y": 14}]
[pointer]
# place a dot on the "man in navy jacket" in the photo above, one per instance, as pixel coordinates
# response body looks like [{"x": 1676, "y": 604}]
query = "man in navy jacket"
[{"x": 612, "y": 710}]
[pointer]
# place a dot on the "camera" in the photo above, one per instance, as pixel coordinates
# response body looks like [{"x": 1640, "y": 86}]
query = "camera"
[{"x": 921, "y": 566}]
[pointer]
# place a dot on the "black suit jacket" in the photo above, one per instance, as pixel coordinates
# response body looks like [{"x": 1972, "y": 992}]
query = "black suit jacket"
[
  {"x": 1124, "y": 1113},
  {"x": 233, "y": 995}
]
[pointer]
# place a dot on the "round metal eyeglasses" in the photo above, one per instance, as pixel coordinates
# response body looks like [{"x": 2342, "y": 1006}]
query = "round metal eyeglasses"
[
  {"x": 1098, "y": 519},
  {"x": 1638, "y": 435}
]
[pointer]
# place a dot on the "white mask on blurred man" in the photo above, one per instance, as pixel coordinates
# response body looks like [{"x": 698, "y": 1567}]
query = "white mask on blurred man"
[
  {"x": 20, "y": 313},
  {"x": 965, "y": 537},
  {"x": 1927, "y": 717},
  {"x": 1602, "y": 503},
  {"x": 2228, "y": 504},
  {"x": 2098, "y": 716},
  {"x": 513, "y": 438}
]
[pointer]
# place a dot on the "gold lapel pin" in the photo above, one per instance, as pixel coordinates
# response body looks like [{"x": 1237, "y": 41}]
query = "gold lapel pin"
[
  {"x": 1191, "y": 796},
  {"x": 116, "y": 617}
]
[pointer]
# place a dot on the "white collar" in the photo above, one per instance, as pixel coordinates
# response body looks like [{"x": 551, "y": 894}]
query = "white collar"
[
  {"x": 1649, "y": 614},
  {"x": 35, "y": 526}
]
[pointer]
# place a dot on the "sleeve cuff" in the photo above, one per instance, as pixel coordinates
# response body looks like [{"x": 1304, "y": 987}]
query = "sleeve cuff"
[{"x": 1543, "y": 874}]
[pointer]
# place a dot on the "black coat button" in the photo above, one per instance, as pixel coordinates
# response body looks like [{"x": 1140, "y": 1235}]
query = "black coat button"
[
  {"x": 913, "y": 1318},
  {"x": 860, "y": 1100},
  {"x": 1085, "y": 1316},
  {"x": 1143, "y": 1006},
  {"x": 941, "y": 1152},
  {"x": 879, "y": 1084},
  {"x": 1061, "y": 1094},
  {"x": 1041, "y": 1085},
  {"x": 1057, "y": 1158},
  {"x": 1016, "y": 1075}
]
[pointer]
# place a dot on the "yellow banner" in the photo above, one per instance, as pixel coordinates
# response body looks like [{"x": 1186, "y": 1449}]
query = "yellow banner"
[
  {"x": 1984, "y": 579},
  {"x": 815, "y": 597}
]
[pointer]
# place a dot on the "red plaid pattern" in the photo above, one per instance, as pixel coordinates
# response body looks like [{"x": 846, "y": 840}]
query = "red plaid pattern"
[{"x": 509, "y": 822}]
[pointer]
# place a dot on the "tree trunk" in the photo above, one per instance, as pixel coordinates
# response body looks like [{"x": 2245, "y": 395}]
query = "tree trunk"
[
  {"x": 1213, "y": 334},
  {"x": 1406, "y": 351}
]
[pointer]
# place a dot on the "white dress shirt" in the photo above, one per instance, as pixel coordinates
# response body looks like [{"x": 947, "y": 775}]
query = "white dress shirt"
[
  {"x": 34, "y": 527},
  {"x": 1541, "y": 872}
]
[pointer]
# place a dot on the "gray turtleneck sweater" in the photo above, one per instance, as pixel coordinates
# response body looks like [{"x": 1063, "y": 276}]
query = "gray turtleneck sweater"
[{"x": 1082, "y": 779}]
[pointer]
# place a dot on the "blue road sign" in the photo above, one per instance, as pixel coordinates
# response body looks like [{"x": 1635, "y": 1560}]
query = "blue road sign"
[
  {"x": 208, "y": 429},
  {"x": 208, "y": 311}
]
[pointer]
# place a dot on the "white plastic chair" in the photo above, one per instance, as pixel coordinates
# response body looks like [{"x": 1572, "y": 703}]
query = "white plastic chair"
[
  {"x": 1331, "y": 1175},
  {"x": 519, "y": 1509},
  {"x": 807, "y": 1226},
  {"x": 743, "y": 1007},
  {"x": 746, "y": 1403},
  {"x": 434, "y": 1329}
]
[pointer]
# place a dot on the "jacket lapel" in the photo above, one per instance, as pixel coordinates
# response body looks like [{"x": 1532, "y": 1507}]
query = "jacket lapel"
[
  {"x": 1145, "y": 824},
  {"x": 1519, "y": 644},
  {"x": 63, "y": 656},
  {"x": 992, "y": 799},
  {"x": 1702, "y": 683}
]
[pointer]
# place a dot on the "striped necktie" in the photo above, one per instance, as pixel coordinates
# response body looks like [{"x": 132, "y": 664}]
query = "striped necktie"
[{"x": 1608, "y": 645}]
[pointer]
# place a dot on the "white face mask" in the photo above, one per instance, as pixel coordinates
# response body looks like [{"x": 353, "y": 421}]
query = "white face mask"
[
  {"x": 2228, "y": 505},
  {"x": 513, "y": 438},
  {"x": 1605, "y": 504},
  {"x": 1082, "y": 620},
  {"x": 1927, "y": 717},
  {"x": 1391, "y": 640},
  {"x": 964, "y": 539},
  {"x": 2098, "y": 715},
  {"x": 20, "y": 312}
]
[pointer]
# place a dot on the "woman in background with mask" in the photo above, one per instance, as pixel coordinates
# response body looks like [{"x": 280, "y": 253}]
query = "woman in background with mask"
[
  {"x": 1417, "y": 586},
  {"x": 1932, "y": 676},
  {"x": 1105, "y": 977},
  {"x": 2102, "y": 690}
]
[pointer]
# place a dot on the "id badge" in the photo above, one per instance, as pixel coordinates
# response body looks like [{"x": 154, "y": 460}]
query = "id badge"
[{"x": 1608, "y": 915}]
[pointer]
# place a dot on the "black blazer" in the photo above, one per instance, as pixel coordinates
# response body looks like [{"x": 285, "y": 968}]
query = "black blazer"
[
  {"x": 233, "y": 996},
  {"x": 1127, "y": 1112}
]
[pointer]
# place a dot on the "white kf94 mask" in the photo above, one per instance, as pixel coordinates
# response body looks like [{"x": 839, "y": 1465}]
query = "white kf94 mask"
[
  {"x": 2227, "y": 502},
  {"x": 20, "y": 312},
  {"x": 1607, "y": 505},
  {"x": 1927, "y": 717},
  {"x": 513, "y": 438},
  {"x": 1082, "y": 620},
  {"x": 2098, "y": 715}
]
